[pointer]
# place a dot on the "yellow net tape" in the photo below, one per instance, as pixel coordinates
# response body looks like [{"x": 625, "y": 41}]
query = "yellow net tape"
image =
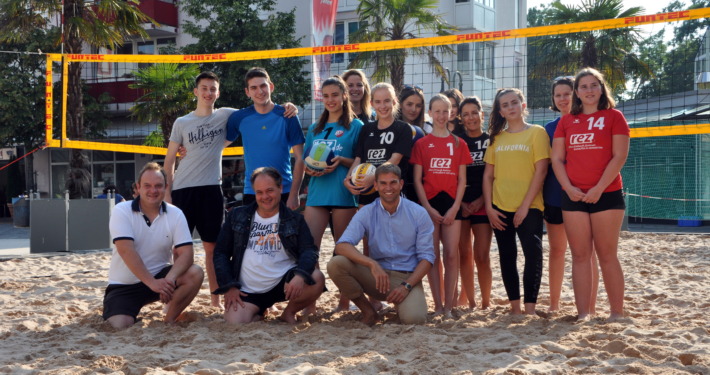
[{"x": 685, "y": 15}]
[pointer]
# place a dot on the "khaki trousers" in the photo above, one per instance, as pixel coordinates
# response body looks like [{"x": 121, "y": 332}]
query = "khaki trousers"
[{"x": 354, "y": 279}]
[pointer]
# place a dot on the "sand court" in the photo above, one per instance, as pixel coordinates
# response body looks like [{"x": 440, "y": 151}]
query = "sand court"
[{"x": 51, "y": 323}]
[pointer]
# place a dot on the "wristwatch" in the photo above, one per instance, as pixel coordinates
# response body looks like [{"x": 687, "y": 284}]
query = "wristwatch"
[{"x": 407, "y": 285}]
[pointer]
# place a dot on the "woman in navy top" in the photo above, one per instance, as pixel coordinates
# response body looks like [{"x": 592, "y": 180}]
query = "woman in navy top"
[{"x": 552, "y": 195}]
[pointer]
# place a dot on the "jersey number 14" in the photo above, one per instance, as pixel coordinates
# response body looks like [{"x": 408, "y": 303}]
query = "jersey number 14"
[{"x": 599, "y": 124}]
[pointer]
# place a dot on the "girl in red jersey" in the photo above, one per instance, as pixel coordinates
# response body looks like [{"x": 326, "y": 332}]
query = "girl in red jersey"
[
  {"x": 474, "y": 212},
  {"x": 440, "y": 161},
  {"x": 590, "y": 147},
  {"x": 562, "y": 88}
]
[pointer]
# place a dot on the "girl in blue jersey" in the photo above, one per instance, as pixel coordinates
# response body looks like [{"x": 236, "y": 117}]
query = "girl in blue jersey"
[
  {"x": 552, "y": 195},
  {"x": 327, "y": 196}
]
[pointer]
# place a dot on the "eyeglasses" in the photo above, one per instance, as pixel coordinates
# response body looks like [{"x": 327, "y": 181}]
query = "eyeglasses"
[
  {"x": 410, "y": 87},
  {"x": 564, "y": 77}
]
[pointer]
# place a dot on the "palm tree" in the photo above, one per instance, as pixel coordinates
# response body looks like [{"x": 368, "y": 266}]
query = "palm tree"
[
  {"x": 167, "y": 95},
  {"x": 608, "y": 51},
  {"x": 399, "y": 20},
  {"x": 99, "y": 23}
]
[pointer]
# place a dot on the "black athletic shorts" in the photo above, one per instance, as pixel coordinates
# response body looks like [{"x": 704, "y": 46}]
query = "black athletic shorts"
[
  {"x": 442, "y": 202},
  {"x": 331, "y": 208},
  {"x": 267, "y": 299},
  {"x": 128, "y": 300},
  {"x": 613, "y": 200},
  {"x": 364, "y": 200},
  {"x": 203, "y": 207},
  {"x": 251, "y": 198},
  {"x": 552, "y": 214},
  {"x": 411, "y": 193}
]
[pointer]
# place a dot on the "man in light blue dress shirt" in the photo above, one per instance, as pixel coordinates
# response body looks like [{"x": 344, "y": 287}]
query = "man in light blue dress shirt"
[{"x": 400, "y": 235}]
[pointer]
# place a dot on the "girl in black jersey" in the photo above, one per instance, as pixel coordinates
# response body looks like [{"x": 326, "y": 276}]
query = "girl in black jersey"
[
  {"x": 411, "y": 111},
  {"x": 383, "y": 140},
  {"x": 359, "y": 91},
  {"x": 474, "y": 212},
  {"x": 455, "y": 97}
]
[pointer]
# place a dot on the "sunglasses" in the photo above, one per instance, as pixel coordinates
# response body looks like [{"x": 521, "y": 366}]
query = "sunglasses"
[
  {"x": 410, "y": 87},
  {"x": 564, "y": 77}
]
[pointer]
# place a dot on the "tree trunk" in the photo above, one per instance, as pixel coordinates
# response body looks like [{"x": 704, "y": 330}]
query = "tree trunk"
[
  {"x": 589, "y": 52},
  {"x": 396, "y": 66},
  {"x": 75, "y": 108}
]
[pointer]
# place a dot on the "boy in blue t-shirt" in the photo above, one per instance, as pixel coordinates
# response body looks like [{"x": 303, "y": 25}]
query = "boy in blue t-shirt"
[{"x": 268, "y": 138}]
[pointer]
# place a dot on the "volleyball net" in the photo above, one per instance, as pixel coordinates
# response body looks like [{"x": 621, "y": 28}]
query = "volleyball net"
[{"x": 659, "y": 83}]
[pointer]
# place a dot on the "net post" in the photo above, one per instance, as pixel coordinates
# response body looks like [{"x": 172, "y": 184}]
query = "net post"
[{"x": 625, "y": 222}]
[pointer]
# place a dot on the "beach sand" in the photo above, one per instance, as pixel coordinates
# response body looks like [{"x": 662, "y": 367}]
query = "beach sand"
[{"x": 51, "y": 323}]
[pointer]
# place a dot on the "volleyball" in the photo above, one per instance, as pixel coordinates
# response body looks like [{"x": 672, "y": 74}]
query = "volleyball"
[
  {"x": 417, "y": 133},
  {"x": 364, "y": 169},
  {"x": 319, "y": 156}
]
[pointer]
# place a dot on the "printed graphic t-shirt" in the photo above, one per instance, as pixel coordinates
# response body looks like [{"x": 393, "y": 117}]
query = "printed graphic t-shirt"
[
  {"x": 514, "y": 156},
  {"x": 203, "y": 137},
  {"x": 267, "y": 140},
  {"x": 474, "y": 171},
  {"x": 265, "y": 260},
  {"x": 328, "y": 190},
  {"x": 588, "y": 140},
  {"x": 376, "y": 146},
  {"x": 440, "y": 160}
]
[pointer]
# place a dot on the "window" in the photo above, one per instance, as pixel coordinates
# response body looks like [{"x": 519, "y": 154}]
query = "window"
[
  {"x": 342, "y": 36},
  {"x": 339, "y": 38},
  {"x": 517, "y": 14},
  {"x": 105, "y": 167},
  {"x": 517, "y": 74},
  {"x": 463, "y": 58},
  {"x": 145, "y": 48},
  {"x": 485, "y": 60},
  {"x": 163, "y": 43},
  {"x": 490, "y": 56}
]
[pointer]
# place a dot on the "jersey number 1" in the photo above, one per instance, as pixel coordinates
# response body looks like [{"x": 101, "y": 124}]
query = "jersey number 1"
[{"x": 451, "y": 148}]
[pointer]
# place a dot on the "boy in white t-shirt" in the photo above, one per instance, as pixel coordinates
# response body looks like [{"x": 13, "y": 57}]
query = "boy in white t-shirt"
[{"x": 143, "y": 270}]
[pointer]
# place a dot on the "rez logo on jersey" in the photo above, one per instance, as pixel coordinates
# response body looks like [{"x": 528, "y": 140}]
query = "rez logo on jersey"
[
  {"x": 578, "y": 139},
  {"x": 440, "y": 163},
  {"x": 376, "y": 154}
]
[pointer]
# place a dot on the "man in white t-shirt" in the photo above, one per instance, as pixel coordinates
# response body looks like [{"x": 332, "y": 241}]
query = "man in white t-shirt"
[
  {"x": 143, "y": 270},
  {"x": 265, "y": 254}
]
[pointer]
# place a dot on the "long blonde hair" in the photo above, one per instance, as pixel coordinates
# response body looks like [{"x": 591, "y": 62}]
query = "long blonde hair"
[
  {"x": 365, "y": 105},
  {"x": 443, "y": 98},
  {"x": 390, "y": 88}
]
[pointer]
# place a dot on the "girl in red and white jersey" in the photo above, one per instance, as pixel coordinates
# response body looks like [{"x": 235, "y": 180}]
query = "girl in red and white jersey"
[
  {"x": 440, "y": 161},
  {"x": 588, "y": 151}
]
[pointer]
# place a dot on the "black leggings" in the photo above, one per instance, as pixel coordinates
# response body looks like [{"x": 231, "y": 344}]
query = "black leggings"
[{"x": 530, "y": 234}]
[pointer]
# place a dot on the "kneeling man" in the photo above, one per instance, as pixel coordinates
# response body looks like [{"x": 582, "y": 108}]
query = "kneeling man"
[
  {"x": 265, "y": 254},
  {"x": 400, "y": 235},
  {"x": 142, "y": 271}
]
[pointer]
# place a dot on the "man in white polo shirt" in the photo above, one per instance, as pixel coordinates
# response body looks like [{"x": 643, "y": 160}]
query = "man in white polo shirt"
[{"x": 143, "y": 270}]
